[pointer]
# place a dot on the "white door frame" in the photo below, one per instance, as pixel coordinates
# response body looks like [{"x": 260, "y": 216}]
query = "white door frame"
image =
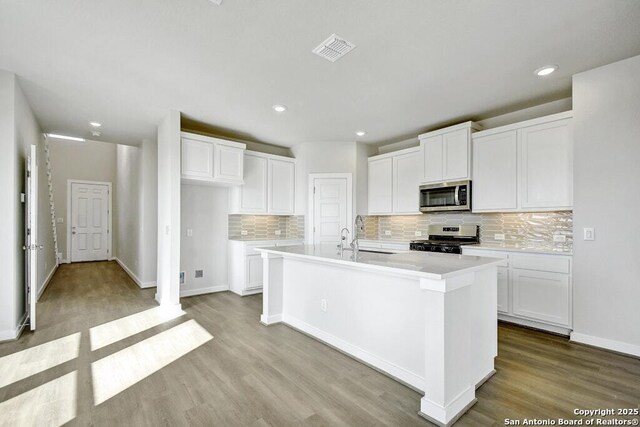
[
  {"x": 310, "y": 206},
  {"x": 109, "y": 215}
]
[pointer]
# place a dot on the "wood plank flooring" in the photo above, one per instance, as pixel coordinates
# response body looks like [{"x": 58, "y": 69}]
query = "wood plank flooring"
[{"x": 252, "y": 375}]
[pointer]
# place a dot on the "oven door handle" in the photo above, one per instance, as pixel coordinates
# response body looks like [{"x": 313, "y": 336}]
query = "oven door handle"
[{"x": 456, "y": 195}]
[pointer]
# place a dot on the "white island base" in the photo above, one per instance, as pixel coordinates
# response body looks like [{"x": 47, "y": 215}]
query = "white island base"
[{"x": 427, "y": 320}]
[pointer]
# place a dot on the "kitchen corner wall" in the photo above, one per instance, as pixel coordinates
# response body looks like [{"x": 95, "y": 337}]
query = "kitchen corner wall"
[
  {"x": 264, "y": 227},
  {"x": 522, "y": 230}
]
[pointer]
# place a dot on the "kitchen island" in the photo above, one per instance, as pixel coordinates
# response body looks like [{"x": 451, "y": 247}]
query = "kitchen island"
[{"x": 428, "y": 320}]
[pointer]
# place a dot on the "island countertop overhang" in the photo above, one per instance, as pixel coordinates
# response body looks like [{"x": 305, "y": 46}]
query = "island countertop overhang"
[{"x": 426, "y": 265}]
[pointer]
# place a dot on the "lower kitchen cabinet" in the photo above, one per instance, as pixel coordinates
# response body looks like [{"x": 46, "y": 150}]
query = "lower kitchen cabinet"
[
  {"x": 245, "y": 264},
  {"x": 534, "y": 289}
]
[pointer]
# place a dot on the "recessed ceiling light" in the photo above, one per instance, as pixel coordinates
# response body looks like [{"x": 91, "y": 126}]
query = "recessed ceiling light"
[
  {"x": 95, "y": 124},
  {"x": 546, "y": 70},
  {"x": 280, "y": 108},
  {"x": 361, "y": 133},
  {"x": 69, "y": 138},
  {"x": 95, "y": 133}
]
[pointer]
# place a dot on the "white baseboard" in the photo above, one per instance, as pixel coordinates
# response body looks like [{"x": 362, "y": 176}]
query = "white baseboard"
[
  {"x": 607, "y": 344},
  {"x": 397, "y": 372},
  {"x": 135, "y": 278},
  {"x": 46, "y": 282},
  {"x": 535, "y": 325},
  {"x": 202, "y": 291},
  {"x": 13, "y": 334}
]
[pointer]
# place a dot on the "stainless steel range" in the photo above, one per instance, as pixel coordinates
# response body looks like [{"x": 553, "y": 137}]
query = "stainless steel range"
[{"x": 448, "y": 238}]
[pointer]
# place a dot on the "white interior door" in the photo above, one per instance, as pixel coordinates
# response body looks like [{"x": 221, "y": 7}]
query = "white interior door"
[
  {"x": 89, "y": 222},
  {"x": 31, "y": 234},
  {"x": 329, "y": 209}
]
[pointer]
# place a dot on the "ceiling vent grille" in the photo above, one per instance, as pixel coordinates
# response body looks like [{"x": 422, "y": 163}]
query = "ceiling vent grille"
[{"x": 334, "y": 48}]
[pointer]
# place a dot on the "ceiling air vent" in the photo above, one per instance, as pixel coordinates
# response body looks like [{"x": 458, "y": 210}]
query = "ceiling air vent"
[{"x": 334, "y": 48}]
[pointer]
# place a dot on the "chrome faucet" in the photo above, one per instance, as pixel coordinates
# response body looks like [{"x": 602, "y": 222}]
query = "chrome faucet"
[{"x": 343, "y": 238}]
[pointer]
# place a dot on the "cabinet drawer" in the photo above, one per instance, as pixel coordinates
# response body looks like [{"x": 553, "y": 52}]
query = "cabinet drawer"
[
  {"x": 490, "y": 254},
  {"x": 550, "y": 263}
]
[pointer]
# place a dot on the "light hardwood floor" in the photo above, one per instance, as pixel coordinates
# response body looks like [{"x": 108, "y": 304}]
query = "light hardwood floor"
[{"x": 235, "y": 372}]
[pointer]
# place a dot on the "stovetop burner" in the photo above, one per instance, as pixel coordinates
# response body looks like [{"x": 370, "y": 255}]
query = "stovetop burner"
[{"x": 447, "y": 239}]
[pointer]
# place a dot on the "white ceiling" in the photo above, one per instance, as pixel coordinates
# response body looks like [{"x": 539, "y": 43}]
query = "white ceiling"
[{"x": 418, "y": 64}]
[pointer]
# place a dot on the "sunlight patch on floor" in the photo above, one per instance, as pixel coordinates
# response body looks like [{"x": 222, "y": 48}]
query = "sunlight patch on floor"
[
  {"x": 31, "y": 361},
  {"x": 119, "y": 329},
  {"x": 51, "y": 404},
  {"x": 119, "y": 371}
]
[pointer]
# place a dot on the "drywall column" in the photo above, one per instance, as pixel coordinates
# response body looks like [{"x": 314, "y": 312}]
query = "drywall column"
[
  {"x": 606, "y": 272},
  {"x": 148, "y": 213},
  {"x": 168, "y": 276}
]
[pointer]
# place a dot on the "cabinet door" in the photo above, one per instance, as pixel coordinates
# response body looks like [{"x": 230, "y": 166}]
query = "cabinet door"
[
  {"x": 432, "y": 152},
  {"x": 495, "y": 172},
  {"x": 281, "y": 194},
  {"x": 253, "y": 278},
  {"x": 253, "y": 193},
  {"x": 228, "y": 163},
  {"x": 406, "y": 181},
  {"x": 541, "y": 295},
  {"x": 381, "y": 186},
  {"x": 455, "y": 146},
  {"x": 546, "y": 165},
  {"x": 503, "y": 290},
  {"x": 197, "y": 159}
]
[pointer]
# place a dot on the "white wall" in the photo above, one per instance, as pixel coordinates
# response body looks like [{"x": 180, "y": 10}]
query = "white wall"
[
  {"x": 127, "y": 194},
  {"x": 149, "y": 212},
  {"x": 168, "y": 275},
  {"x": 90, "y": 161},
  {"x": 18, "y": 131},
  {"x": 205, "y": 211},
  {"x": 606, "y": 272}
]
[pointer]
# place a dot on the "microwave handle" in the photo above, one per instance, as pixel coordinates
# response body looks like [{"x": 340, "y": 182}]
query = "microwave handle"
[{"x": 456, "y": 195}]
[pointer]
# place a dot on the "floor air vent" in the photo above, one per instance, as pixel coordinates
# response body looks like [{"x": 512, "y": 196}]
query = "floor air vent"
[{"x": 334, "y": 48}]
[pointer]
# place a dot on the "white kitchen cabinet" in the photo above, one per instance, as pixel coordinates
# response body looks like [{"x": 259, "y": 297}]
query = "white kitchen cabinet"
[
  {"x": 394, "y": 180},
  {"x": 245, "y": 264},
  {"x": 269, "y": 186},
  {"x": 534, "y": 289},
  {"x": 546, "y": 165},
  {"x": 406, "y": 182},
  {"x": 281, "y": 193},
  {"x": 381, "y": 186},
  {"x": 211, "y": 161},
  {"x": 447, "y": 153},
  {"x": 541, "y": 295},
  {"x": 495, "y": 172},
  {"x": 524, "y": 167}
]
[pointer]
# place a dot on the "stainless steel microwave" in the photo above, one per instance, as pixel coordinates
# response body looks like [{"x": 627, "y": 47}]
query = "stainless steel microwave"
[{"x": 445, "y": 196}]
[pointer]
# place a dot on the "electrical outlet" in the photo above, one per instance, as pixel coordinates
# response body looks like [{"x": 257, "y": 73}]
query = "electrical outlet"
[
  {"x": 243, "y": 232},
  {"x": 418, "y": 233},
  {"x": 182, "y": 277},
  {"x": 60, "y": 220},
  {"x": 199, "y": 274},
  {"x": 387, "y": 232},
  {"x": 589, "y": 234},
  {"x": 559, "y": 238},
  {"x": 498, "y": 236},
  {"x": 323, "y": 305},
  {"x": 189, "y": 232},
  {"x": 59, "y": 256},
  {"x": 278, "y": 232}
]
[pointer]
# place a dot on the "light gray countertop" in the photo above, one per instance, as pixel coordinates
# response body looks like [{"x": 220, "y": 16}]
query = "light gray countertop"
[
  {"x": 508, "y": 248},
  {"x": 421, "y": 264}
]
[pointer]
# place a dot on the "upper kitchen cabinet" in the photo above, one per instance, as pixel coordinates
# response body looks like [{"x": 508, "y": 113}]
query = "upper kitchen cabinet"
[
  {"x": 447, "y": 153},
  {"x": 269, "y": 186},
  {"x": 211, "y": 161},
  {"x": 394, "y": 179},
  {"x": 524, "y": 167}
]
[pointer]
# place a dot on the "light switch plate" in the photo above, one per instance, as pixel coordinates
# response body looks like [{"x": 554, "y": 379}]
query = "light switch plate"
[
  {"x": 498, "y": 236},
  {"x": 189, "y": 232},
  {"x": 589, "y": 233},
  {"x": 559, "y": 238},
  {"x": 278, "y": 232},
  {"x": 418, "y": 233},
  {"x": 243, "y": 232},
  {"x": 387, "y": 232},
  {"x": 60, "y": 220}
]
